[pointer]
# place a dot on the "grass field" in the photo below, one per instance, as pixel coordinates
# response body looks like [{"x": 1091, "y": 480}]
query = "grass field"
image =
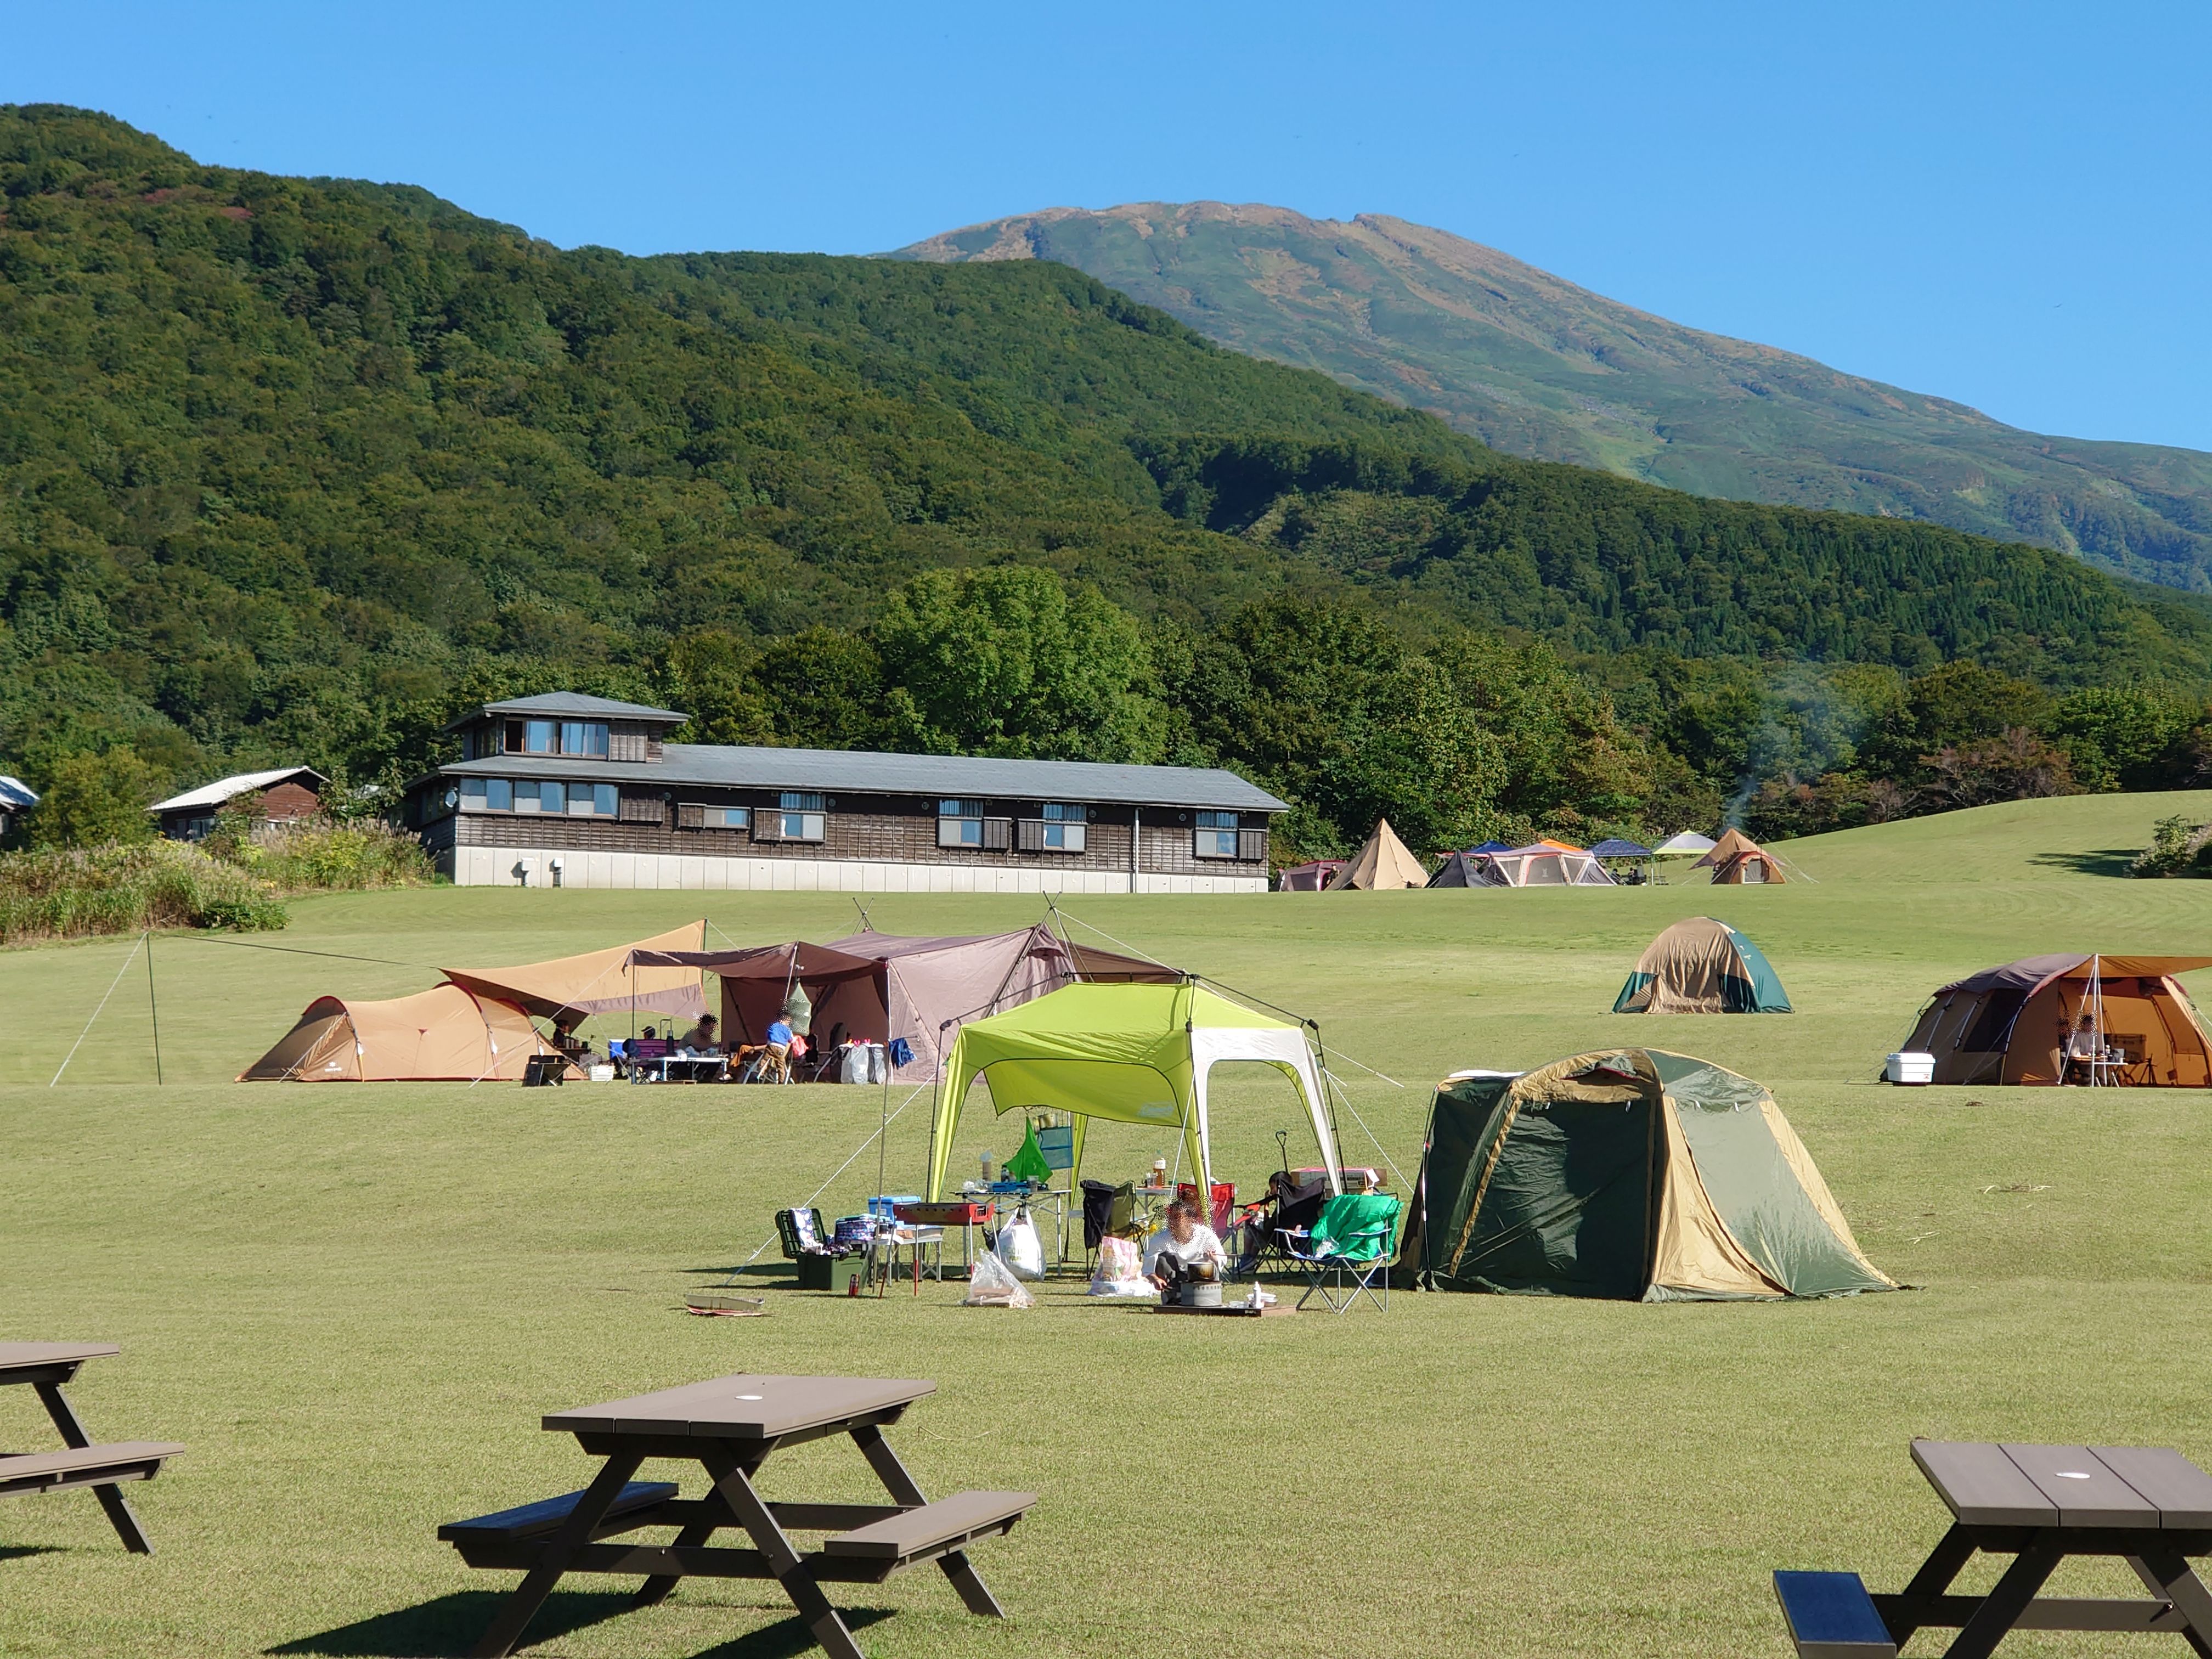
[{"x": 354, "y": 1302}]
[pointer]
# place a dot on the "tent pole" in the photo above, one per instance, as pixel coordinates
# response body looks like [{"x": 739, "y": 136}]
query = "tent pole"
[{"x": 153, "y": 1008}]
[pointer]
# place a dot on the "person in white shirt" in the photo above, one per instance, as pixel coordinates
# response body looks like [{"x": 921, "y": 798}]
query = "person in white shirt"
[{"x": 1181, "y": 1240}]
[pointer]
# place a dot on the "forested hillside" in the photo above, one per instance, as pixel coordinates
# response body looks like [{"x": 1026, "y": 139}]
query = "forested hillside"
[{"x": 294, "y": 468}]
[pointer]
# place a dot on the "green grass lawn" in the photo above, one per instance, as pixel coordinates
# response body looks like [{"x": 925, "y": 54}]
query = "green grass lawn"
[{"x": 353, "y": 1302}]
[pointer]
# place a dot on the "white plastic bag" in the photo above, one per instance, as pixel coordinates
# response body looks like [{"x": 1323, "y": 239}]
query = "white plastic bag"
[
  {"x": 991, "y": 1283},
  {"x": 1020, "y": 1248}
]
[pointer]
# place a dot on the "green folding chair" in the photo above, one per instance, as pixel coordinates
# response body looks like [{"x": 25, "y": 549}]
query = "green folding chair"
[{"x": 1346, "y": 1251}]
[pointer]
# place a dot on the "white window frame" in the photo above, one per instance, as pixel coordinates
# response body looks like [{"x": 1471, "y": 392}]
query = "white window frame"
[
  {"x": 1066, "y": 826},
  {"x": 960, "y": 825},
  {"x": 1213, "y": 838}
]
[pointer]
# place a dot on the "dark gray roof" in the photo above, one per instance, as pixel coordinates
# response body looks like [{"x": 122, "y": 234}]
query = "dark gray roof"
[
  {"x": 575, "y": 703},
  {"x": 831, "y": 771}
]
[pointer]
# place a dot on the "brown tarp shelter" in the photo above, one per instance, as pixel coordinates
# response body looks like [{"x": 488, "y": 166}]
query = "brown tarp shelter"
[
  {"x": 2043, "y": 1020},
  {"x": 599, "y": 981},
  {"x": 1311, "y": 877},
  {"x": 882, "y": 986},
  {"x": 1384, "y": 864},
  {"x": 444, "y": 1035}
]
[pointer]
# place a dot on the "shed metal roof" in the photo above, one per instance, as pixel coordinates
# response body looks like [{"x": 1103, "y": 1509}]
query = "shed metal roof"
[
  {"x": 224, "y": 789},
  {"x": 860, "y": 772},
  {"x": 14, "y": 794}
]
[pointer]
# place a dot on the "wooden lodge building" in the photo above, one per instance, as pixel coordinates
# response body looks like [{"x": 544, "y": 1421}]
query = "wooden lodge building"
[{"x": 565, "y": 790}]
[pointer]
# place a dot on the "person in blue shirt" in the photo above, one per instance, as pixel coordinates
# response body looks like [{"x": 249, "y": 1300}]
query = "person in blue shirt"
[{"x": 779, "y": 1032}]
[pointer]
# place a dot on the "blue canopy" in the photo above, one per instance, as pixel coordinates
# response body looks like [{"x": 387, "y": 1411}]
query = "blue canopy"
[
  {"x": 1614, "y": 847},
  {"x": 1489, "y": 847}
]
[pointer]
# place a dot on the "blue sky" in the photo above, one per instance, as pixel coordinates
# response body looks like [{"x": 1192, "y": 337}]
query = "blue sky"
[{"x": 2010, "y": 205}]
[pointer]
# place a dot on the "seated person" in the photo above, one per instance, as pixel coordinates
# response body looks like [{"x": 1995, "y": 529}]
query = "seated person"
[
  {"x": 566, "y": 1040},
  {"x": 703, "y": 1038},
  {"x": 779, "y": 1033},
  {"x": 1182, "y": 1238}
]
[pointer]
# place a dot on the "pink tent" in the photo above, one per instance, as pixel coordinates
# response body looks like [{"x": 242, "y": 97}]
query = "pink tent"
[{"x": 883, "y": 987}]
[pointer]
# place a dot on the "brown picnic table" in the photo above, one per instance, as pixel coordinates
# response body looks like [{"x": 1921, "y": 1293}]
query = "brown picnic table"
[
  {"x": 730, "y": 1426},
  {"x": 46, "y": 1366},
  {"x": 2040, "y": 1504}
]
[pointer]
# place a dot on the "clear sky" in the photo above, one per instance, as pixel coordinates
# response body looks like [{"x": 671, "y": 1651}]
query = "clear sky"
[{"x": 2008, "y": 205}]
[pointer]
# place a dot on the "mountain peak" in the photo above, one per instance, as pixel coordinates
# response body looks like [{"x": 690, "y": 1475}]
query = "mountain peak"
[{"x": 1535, "y": 366}]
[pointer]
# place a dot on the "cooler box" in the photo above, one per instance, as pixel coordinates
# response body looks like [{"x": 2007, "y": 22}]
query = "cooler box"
[
  {"x": 820, "y": 1272},
  {"x": 1910, "y": 1068}
]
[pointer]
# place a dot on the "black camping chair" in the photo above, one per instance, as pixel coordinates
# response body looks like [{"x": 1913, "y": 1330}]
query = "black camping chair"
[
  {"x": 1278, "y": 1223},
  {"x": 1108, "y": 1211}
]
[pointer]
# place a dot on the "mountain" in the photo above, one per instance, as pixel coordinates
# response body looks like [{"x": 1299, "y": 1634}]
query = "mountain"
[
  {"x": 291, "y": 468},
  {"x": 1536, "y": 367}
]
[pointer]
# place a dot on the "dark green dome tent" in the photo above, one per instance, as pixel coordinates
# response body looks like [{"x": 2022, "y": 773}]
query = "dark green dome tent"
[
  {"x": 1633, "y": 1174},
  {"x": 1702, "y": 966}
]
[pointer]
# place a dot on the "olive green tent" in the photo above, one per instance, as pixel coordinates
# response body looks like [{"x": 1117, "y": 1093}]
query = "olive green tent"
[
  {"x": 1702, "y": 966},
  {"x": 1631, "y": 1173},
  {"x": 1132, "y": 1054}
]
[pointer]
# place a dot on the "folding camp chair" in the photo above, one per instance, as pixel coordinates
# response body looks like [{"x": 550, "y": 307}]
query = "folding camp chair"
[{"x": 1347, "y": 1250}]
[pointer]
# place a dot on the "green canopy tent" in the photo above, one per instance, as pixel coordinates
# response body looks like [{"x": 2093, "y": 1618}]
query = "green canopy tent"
[
  {"x": 1630, "y": 1173},
  {"x": 1129, "y": 1054}
]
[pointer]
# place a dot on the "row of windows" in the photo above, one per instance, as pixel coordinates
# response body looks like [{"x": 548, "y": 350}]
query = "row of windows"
[
  {"x": 1060, "y": 826},
  {"x": 580, "y": 800}
]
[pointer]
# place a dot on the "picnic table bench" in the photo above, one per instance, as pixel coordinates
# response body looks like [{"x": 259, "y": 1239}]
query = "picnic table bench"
[
  {"x": 2038, "y": 1504},
  {"x": 46, "y": 1366},
  {"x": 730, "y": 1426}
]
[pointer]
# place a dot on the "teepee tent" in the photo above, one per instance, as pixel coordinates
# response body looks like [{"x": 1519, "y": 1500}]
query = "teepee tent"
[
  {"x": 1129, "y": 1054},
  {"x": 444, "y": 1035},
  {"x": 2120, "y": 1021},
  {"x": 1382, "y": 865},
  {"x": 1702, "y": 966},
  {"x": 1737, "y": 861},
  {"x": 1633, "y": 1174}
]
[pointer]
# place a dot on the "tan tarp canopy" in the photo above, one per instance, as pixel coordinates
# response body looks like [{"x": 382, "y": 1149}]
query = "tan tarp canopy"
[
  {"x": 445, "y": 1035},
  {"x": 882, "y": 986},
  {"x": 2125, "y": 1020},
  {"x": 1382, "y": 865},
  {"x": 1737, "y": 861},
  {"x": 599, "y": 981}
]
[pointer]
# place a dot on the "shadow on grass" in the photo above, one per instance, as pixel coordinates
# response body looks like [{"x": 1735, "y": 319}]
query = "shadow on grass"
[
  {"x": 2103, "y": 861},
  {"x": 451, "y": 1625},
  {"x": 773, "y": 1271},
  {"x": 14, "y": 1552}
]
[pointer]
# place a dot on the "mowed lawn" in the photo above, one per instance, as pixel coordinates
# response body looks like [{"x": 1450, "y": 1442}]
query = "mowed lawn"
[{"x": 354, "y": 1302}]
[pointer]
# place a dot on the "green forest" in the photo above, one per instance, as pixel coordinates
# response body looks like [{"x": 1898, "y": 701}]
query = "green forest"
[{"x": 295, "y": 469}]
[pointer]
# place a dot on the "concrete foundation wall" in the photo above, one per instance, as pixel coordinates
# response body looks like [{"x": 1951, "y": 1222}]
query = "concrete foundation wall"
[{"x": 508, "y": 866}]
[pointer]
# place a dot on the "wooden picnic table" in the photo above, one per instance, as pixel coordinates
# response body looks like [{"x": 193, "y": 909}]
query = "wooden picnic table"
[
  {"x": 730, "y": 1426},
  {"x": 2040, "y": 1504},
  {"x": 46, "y": 1366}
]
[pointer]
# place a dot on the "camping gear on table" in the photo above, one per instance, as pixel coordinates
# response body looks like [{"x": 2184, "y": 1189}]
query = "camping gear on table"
[
  {"x": 1630, "y": 1173},
  {"x": 1540, "y": 863},
  {"x": 1347, "y": 1250},
  {"x": 991, "y": 1283},
  {"x": 1384, "y": 863},
  {"x": 1130, "y": 1053},
  {"x": 1702, "y": 966},
  {"x": 1737, "y": 861},
  {"x": 2119, "y": 1021},
  {"x": 1909, "y": 1069}
]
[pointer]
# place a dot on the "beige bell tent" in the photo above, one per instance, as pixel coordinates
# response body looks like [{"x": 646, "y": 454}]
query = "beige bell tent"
[
  {"x": 1383, "y": 865},
  {"x": 1737, "y": 861},
  {"x": 445, "y": 1035},
  {"x": 2118, "y": 1021}
]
